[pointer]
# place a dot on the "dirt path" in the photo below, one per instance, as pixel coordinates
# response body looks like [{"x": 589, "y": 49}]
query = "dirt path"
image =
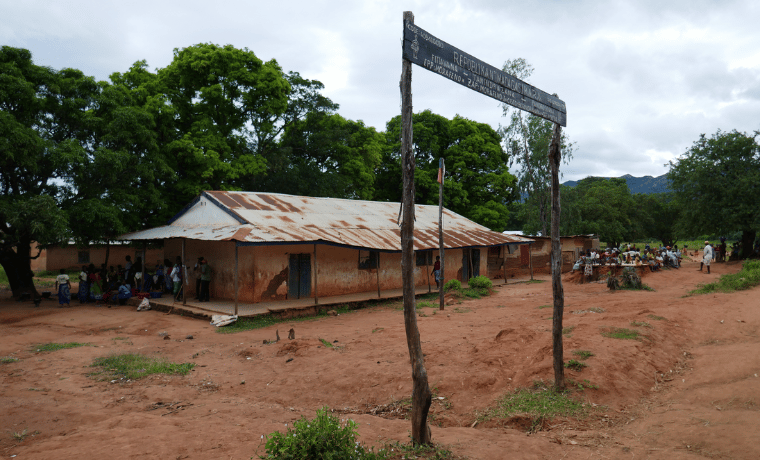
[{"x": 689, "y": 389}]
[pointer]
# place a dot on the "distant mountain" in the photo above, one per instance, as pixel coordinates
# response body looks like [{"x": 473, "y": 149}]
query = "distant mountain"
[{"x": 646, "y": 184}]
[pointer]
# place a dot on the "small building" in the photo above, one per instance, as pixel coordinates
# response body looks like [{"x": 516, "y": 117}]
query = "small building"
[
  {"x": 538, "y": 254},
  {"x": 277, "y": 247},
  {"x": 72, "y": 257}
]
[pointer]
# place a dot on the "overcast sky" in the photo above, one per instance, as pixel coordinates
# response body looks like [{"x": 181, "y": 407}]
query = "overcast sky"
[{"x": 641, "y": 79}]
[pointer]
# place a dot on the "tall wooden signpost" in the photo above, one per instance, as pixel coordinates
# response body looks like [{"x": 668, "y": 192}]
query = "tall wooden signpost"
[{"x": 435, "y": 55}]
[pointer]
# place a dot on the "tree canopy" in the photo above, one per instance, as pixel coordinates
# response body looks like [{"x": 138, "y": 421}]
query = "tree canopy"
[{"x": 717, "y": 185}]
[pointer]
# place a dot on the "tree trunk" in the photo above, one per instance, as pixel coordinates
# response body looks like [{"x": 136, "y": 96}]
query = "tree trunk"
[
  {"x": 421, "y": 397},
  {"x": 556, "y": 262},
  {"x": 17, "y": 267},
  {"x": 748, "y": 239}
]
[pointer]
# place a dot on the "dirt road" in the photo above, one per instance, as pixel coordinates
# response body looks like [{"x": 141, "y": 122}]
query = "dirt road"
[{"x": 688, "y": 389}]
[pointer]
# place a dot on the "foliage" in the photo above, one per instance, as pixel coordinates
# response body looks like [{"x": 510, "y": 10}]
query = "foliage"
[
  {"x": 452, "y": 285},
  {"x": 575, "y": 365},
  {"x": 620, "y": 333},
  {"x": 600, "y": 206},
  {"x": 540, "y": 403},
  {"x": 526, "y": 141},
  {"x": 583, "y": 354},
  {"x": 630, "y": 279},
  {"x": 480, "y": 282},
  {"x": 717, "y": 186},
  {"x": 396, "y": 450},
  {"x": 8, "y": 359},
  {"x": 747, "y": 278},
  {"x": 477, "y": 185},
  {"x": 326, "y": 155},
  {"x": 323, "y": 437},
  {"x": 47, "y": 347},
  {"x": 136, "y": 366}
]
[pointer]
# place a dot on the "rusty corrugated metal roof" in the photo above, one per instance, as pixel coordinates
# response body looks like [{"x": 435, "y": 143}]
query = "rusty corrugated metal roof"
[{"x": 271, "y": 218}]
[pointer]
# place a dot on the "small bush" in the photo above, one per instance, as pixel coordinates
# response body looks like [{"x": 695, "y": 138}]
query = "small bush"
[
  {"x": 322, "y": 437},
  {"x": 630, "y": 279},
  {"x": 583, "y": 354},
  {"x": 575, "y": 365},
  {"x": 480, "y": 282},
  {"x": 748, "y": 277},
  {"x": 452, "y": 285}
]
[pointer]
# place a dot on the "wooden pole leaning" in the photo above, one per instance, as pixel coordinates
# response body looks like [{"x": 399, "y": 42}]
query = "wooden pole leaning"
[
  {"x": 441, "y": 291},
  {"x": 556, "y": 263},
  {"x": 421, "y": 396}
]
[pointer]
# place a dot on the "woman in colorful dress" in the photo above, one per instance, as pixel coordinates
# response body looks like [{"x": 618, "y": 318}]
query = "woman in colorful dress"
[
  {"x": 84, "y": 286},
  {"x": 96, "y": 284},
  {"x": 63, "y": 286}
]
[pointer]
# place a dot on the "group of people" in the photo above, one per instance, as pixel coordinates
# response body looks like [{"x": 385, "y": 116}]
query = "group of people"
[
  {"x": 629, "y": 255},
  {"x": 101, "y": 285}
]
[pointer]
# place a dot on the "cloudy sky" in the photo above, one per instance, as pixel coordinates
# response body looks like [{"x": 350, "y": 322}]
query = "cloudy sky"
[{"x": 641, "y": 79}]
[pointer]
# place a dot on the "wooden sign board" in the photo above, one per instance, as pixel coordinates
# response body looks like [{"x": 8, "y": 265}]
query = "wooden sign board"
[{"x": 437, "y": 56}]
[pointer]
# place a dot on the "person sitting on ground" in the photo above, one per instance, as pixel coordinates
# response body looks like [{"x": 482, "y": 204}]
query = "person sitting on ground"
[{"x": 124, "y": 292}]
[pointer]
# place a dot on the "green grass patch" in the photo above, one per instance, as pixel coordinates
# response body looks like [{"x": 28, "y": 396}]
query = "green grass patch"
[
  {"x": 641, "y": 324},
  {"x": 747, "y": 278},
  {"x": 540, "y": 403},
  {"x": 461, "y": 310},
  {"x": 583, "y": 354},
  {"x": 568, "y": 330},
  {"x": 262, "y": 321},
  {"x": 396, "y": 450},
  {"x": 326, "y": 343},
  {"x": 47, "y": 347},
  {"x": 425, "y": 304},
  {"x": 620, "y": 333},
  {"x": 584, "y": 385},
  {"x": 540, "y": 307},
  {"x": 8, "y": 359},
  {"x": 135, "y": 366},
  {"x": 575, "y": 365},
  {"x": 656, "y": 318},
  {"x": 3, "y": 276},
  {"x": 534, "y": 281},
  {"x": 644, "y": 287}
]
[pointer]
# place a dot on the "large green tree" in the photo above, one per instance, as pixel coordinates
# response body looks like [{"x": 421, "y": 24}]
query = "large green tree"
[
  {"x": 326, "y": 155},
  {"x": 600, "y": 206},
  {"x": 38, "y": 126},
  {"x": 717, "y": 186},
  {"x": 478, "y": 184},
  {"x": 526, "y": 140}
]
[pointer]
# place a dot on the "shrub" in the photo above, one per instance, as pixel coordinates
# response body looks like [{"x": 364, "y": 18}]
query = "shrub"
[
  {"x": 322, "y": 437},
  {"x": 630, "y": 279},
  {"x": 480, "y": 282},
  {"x": 452, "y": 285}
]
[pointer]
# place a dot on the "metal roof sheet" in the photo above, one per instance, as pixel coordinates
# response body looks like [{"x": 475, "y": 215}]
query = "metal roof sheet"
[{"x": 271, "y": 218}]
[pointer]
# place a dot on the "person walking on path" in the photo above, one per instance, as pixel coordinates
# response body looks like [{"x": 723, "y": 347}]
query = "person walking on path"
[
  {"x": 707, "y": 257},
  {"x": 205, "y": 280},
  {"x": 437, "y": 272}
]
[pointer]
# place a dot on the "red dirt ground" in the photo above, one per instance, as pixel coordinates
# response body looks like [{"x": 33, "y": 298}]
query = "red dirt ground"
[{"x": 689, "y": 390}]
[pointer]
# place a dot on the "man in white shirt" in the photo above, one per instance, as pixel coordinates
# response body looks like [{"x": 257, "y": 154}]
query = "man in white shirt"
[{"x": 707, "y": 257}]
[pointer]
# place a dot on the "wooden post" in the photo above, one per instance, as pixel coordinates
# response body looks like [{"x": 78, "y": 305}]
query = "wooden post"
[
  {"x": 441, "y": 277},
  {"x": 421, "y": 396},
  {"x": 236, "y": 278},
  {"x": 504, "y": 251},
  {"x": 183, "y": 274},
  {"x": 144, "y": 267},
  {"x": 316, "y": 293},
  {"x": 530, "y": 259},
  {"x": 556, "y": 261},
  {"x": 377, "y": 271}
]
